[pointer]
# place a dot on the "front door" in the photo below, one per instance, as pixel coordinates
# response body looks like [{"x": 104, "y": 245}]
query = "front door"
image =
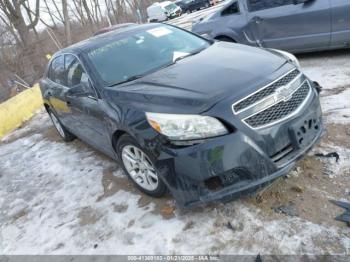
[
  {"x": 340, "y": 23},
  {"x": 287, "y": 25},
  {"x": 87, "y": 110}
]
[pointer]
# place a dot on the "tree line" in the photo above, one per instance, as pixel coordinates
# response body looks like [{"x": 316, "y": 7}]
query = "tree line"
[{"x": 30, "y": 29}]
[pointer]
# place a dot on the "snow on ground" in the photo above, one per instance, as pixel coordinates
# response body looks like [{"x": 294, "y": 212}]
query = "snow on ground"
[
  {"x": 53, "y": 202},
  {"x": 59, "y": 198},
  {"x": 332, "y": 71}
]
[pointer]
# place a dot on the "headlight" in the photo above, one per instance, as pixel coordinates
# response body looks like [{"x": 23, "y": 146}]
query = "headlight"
[
  {"x": 290, "y": 57},
  {"x": 186, "y": 127}
]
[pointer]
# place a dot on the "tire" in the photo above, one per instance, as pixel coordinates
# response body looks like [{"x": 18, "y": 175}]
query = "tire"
[
  {"x": 61, "y": 130},
  {"x": 140, "y": 169}
]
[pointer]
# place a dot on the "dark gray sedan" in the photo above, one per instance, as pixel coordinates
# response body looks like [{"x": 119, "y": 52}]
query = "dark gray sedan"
[
  {"x": 293, "y": 25},
  {"x": 205, "y": 120}
]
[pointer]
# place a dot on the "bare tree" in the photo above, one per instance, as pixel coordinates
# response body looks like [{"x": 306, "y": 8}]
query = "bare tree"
[
  {"x": 79, "y": 8},
  {"x": 67, "y": 27},
  {"x": 13, "y": 13},
  {"x": 111, "y": 12},
  {"x": 48, "y": 10},
  {"x": 89, "y": 14},
  {"x": 9, "y": 27},
  {"x": 58, "y": 11}
]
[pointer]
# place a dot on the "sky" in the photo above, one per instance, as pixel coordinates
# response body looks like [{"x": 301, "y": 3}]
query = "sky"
[{"x": 45, "y": 16}]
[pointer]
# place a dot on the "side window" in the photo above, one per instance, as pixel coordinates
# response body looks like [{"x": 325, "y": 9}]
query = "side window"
[
  {"x": 232, "y": 9},
  {"x": 76, "y": 74},
  {"x": 257, "y": 5},
  {"x": 75, "y": 71},
  {"x": 57, "y": 71}
]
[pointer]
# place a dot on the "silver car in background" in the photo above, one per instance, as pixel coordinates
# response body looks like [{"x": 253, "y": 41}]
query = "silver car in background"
[{"x": 292, "y": 25}]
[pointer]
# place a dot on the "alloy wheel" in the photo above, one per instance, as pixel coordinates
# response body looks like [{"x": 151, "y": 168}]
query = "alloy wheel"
[{"x": 140, "y": 167}]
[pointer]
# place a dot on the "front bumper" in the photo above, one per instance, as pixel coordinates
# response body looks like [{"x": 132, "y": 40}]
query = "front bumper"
[{"x": 226, "y": 167}]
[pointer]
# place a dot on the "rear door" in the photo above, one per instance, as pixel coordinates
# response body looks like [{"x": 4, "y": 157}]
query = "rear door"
[
  {"x": 284, "y": 25},
  {"x": 56, "y": 94},
  {"x": 340, "y": 23},
  {"x": 87, "y": 109}
]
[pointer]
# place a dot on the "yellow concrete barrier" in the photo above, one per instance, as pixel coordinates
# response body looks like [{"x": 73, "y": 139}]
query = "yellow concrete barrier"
[{"x": 18, "y": 109}]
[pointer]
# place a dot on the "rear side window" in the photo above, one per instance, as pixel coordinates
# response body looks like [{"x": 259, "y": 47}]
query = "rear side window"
[
  {"x": 75, "y": 72},
  {"x": 232, "y": 9},
  {"x": 257, "y": 5},
  {"x": 57, "y": 71}
]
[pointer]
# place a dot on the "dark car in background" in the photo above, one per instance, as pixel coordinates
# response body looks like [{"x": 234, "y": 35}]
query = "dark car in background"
[
  {"x": 189, "y": 6},
  {"x": 205, "y": 120},
  {"x": 292, "y": 25}
]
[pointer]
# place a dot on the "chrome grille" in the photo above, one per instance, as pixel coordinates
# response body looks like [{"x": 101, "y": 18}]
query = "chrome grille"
[
  {"x": 252, "y": 99},
  {"x": 279, "y": 110}
]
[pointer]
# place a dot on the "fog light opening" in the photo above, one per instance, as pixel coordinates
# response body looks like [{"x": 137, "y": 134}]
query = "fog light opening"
[{"x": 213, "y": 183}]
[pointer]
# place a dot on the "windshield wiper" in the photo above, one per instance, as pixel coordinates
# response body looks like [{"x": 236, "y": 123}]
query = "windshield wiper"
[
  {"x": 191, "y": 54},
  {"x": 131, "y": 78},
  {"x": 182, "y": 57}
]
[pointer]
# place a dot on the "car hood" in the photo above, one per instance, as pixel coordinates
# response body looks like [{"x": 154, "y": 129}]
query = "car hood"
[{"x": 196, "y": 83}]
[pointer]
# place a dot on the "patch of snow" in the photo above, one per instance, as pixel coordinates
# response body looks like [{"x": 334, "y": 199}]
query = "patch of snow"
[
  {"x": 332, "y": 71},
  {"x": 340, "y": 168},
  {"x": 46, "y": 178}
]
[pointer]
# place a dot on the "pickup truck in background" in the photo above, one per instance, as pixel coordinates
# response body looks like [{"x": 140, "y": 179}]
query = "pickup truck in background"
[{"x": 293, "y": 25}]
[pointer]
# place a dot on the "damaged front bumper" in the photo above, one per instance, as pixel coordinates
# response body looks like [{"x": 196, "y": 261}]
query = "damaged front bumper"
[{"x": 226, "y": 167}]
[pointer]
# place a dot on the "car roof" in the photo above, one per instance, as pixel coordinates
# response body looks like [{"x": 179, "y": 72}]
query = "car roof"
[{"x": 103, "y": 38}]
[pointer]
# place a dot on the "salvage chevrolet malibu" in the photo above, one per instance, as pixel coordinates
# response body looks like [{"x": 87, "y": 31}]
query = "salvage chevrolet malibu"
[{"x": 205, "y": 120}]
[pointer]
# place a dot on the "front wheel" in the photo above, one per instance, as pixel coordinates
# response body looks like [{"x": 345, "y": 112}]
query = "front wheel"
[{"x": 139, "y": 166}]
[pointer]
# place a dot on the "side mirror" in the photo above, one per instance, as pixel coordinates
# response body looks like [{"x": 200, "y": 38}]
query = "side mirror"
[{"x": 80, "y": 90}]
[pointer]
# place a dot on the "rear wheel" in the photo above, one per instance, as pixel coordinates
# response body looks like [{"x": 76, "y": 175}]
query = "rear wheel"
[
  {"x": 139, "y": 166},
  {"x": 62, "y": 131}
]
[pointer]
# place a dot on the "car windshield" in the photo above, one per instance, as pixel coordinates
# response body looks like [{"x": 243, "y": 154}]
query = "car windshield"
[
  {"x": 143, "y": 52},
  {"x": 170, "y": 7}
]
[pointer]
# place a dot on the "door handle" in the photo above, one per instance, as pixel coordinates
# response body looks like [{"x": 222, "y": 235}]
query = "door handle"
[
  {"x": 92, "y": 97},
  {"x": 68, "y": 100},
  {"x": 257, "y": 20}
]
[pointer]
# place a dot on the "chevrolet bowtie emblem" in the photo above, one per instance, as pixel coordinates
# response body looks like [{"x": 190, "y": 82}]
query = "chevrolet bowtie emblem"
[{"x": 284, "y": 93}]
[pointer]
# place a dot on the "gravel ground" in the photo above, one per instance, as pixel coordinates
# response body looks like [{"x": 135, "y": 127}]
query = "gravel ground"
[{"x": 59, "y": 198}]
